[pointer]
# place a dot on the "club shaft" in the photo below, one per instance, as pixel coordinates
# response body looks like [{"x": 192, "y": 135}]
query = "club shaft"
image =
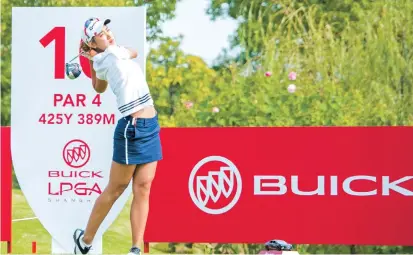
[{"x": 74, "y": 58}]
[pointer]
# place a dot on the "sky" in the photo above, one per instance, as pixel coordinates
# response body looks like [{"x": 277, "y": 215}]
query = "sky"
[{"x": 202, "y": 36}]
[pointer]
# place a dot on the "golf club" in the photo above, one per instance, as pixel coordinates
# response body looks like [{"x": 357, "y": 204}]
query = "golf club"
[{"x": 74, "y": 58}]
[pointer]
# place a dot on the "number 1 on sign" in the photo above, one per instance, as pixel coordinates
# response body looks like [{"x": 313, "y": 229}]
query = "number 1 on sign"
[{"x": 58, "y": 35}]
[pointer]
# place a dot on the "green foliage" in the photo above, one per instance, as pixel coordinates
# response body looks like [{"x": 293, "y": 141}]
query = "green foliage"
[
  {"x": 355, "y": 79},
  {"x": 258, "y": 18},
  {"x": 354, "y": 249},
  {"x": 176, "y": 78}
]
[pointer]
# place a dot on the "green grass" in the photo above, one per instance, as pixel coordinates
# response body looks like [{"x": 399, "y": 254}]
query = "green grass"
[{"x": 116, "y": 238}]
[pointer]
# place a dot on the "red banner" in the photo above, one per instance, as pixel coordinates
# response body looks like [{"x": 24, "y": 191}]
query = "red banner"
[
  {"x": 303, "y": 185},
  {"x": 6, "y": 185}
]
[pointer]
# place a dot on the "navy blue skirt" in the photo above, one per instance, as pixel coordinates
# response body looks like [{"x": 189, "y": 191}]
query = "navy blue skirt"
[{"x": 137, "y": 141}]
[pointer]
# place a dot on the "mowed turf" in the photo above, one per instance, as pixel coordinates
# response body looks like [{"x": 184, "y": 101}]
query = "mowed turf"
[{"x": 116, "y": 240}]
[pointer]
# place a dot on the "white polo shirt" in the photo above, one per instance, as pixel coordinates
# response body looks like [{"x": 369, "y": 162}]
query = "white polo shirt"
[{"x": 125, "y": 78}]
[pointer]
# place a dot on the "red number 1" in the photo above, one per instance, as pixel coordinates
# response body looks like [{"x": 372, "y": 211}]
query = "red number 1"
[{"x": 58, "y": 34}]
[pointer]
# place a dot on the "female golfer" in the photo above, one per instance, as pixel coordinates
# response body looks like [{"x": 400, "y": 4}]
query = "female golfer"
[{"x": 136, "y": 141}]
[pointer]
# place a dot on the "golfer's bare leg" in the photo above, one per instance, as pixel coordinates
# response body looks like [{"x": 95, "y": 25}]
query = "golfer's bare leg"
[
  {"x": 142, "y": 181},
  {"x": 120, "y": 176}
]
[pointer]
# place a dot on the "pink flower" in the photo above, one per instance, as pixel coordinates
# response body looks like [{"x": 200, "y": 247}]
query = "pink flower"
[
  {"x": 268, "y": 74},
  {"x": 292, "y": 76},
  {"x": 189, "y": 104},
  {"x": 215, "y": 109}
]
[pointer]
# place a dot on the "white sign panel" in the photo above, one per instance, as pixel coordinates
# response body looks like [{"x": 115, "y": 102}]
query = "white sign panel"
[{"x": 61, "y": 129}]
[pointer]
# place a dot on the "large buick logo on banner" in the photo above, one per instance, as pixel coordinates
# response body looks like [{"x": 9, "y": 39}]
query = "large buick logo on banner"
[
  {"x": 215, "y": 185},
  {"x": 337, "y": 178}
]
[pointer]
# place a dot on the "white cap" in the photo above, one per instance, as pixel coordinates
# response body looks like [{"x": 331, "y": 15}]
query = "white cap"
[{"x": 92, "y": 27}]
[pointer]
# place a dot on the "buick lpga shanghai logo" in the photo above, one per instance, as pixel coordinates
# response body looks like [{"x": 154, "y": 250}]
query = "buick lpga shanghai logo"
[
  {"x": 76, "y": 153},
  {"x": 210, "y": 186},
  {"x": 74, "y": 185}
]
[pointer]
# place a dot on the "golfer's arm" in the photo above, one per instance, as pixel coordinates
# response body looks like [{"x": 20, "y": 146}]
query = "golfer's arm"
[{"x": 99, "y": 85}]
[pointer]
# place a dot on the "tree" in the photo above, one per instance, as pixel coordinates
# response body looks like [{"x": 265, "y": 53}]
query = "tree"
[
  {"x": 258, "y": 18},
  {"x": 180, "y": 83}
]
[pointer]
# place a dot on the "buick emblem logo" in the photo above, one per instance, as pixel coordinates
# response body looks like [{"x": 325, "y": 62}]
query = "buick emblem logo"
[
  {"x": 76, "y": 153},
  {"x": 217, "y": 184}
]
